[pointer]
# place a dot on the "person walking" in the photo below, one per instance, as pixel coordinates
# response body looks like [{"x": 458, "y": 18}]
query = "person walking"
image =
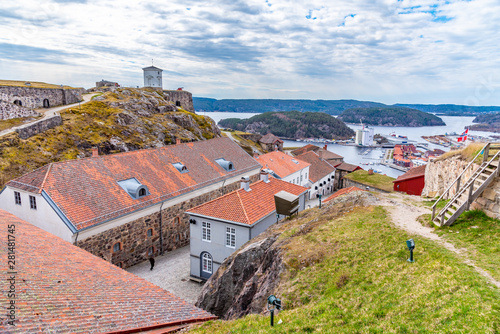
[{"x": 152, "y": 261}]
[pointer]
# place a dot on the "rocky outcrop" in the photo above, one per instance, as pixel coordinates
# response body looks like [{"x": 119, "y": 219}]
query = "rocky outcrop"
[
  {"x": 245, "y": 279},
  {"x": 439, "y": 175}
]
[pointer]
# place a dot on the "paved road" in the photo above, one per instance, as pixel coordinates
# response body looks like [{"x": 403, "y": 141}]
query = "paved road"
[
  {"x": 171, "y": 273},
  {"x": 49, "y": 112}
]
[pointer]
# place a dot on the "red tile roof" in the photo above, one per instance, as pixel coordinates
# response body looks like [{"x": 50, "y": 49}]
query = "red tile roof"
[
  {"x": 269, "y": 139},
  {"x": 61, "y": 288},
  {"x": 88, "y": 193},
  {"x": 412, "y": 173},
  {"x": 328, "y": 155},
  {"x": 248, "y": 207},
  {"x": 280, "y": 163},
  {"x": 319, "y": 168},
  {"x": 341, "y": 192},
  {"x": 347, "y": 167}
]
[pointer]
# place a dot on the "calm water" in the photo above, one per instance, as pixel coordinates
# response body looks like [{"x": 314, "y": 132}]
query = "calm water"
[{"x": 352, "y": 154}]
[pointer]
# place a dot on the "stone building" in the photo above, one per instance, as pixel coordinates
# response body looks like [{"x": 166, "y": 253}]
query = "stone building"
[
  {"x": 270, "y": 142},
  {"x": 105, "y": 83},
  {"x": 18, "y": 98},
  {"x": 153, "y": 76},
  {"x": 128, "y": 206}
]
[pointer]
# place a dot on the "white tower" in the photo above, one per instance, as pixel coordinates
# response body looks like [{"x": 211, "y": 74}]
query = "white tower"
[{"x": 152, "y": 77}]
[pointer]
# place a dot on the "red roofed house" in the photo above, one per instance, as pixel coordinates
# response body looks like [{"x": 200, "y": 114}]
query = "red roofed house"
[
  {"x": 323, "y": 152},
  {"x": 412, "y": 182},
  {"x": 221, "y": 226},
  {"x": 270, "y": 142},
  {"x": 285, "y": 167},
  {"x": 55, "y": 287},
  {"x": 122, "y": 207},
  {"x": 343, "y": 191},
  {"x": 321, "y": 174}
]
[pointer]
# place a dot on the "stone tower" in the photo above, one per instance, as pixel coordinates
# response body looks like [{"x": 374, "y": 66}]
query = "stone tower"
[{"x": 152, "y": 77}]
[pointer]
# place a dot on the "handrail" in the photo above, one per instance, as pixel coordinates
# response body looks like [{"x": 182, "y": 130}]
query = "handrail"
[
  {"x": 470, "y": 184},
  {"x": 451, "y": 185}
]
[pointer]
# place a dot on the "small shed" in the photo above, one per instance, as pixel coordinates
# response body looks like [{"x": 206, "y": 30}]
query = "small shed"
[
  {"x": 412, "y": 182},
  {"x": 286, "y": 203}
]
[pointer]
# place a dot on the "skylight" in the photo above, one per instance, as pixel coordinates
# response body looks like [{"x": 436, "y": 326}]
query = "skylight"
[
  {"x": 227, "y": 165},
  {"x": 180, "y": 167}
]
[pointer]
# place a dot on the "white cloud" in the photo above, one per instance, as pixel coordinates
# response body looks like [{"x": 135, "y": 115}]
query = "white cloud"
[{"x": 420, "y": 51}]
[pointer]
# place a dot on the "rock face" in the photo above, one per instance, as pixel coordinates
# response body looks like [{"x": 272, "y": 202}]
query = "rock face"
[
  {"x": 11, "y": 110},
  {"x": 439, "y": 175}
]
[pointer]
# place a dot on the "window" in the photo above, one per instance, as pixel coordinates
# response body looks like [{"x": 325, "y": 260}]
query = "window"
[
  {"x": 177, "y": 221},
  {"x": 142, "y": 192},
  {"x": 207, "y": 263},
  {"x": 305, "y": 176},
  {"x": 117, "y": 247},
  {"x": 230, "y": 237},
  {"x": 151, "y": 251},
  {"x": 180, "y": 167},
  {"x": 17, "y": 197},
  {"x": 297, "y": 180},
  {"x": 205, "y": 233},
  {"x": 301, "y": 178},
  {"x": 227, "y": 165},
  {"x": 119, "y": 264},
  {"x": 150, "y": 232},
  {"x": 32, "y": 202}
]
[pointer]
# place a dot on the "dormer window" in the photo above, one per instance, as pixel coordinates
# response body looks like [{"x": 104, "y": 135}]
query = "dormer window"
[
  {"x": 134, "y": 188},
  {"x": 180, "y": 167},
  {"x": 295, "y": 161},
  {"x": 227, "y": 165}
]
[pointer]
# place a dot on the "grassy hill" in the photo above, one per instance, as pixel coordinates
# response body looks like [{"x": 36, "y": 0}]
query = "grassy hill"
[
  {"x": 390, "y": 116},
  {"x": 122, "y": 120},
  {"x": 292, "y": 124},
  {"x": 376, "y": 180},
  {"x": 347, "y": 272}
]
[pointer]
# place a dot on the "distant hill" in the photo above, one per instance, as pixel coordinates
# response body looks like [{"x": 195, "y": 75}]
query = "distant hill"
[
  {"x": 390, "y": 116},
  {"x": 332, "y": 107},
  {"x": 292, "y": 124},
  {"x": 488, "y": 122}
]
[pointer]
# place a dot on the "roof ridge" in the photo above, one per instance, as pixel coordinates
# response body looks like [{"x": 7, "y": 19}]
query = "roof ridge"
[
  {"x": 243, "y": 207},
  {"x": 45, "y": 178}
]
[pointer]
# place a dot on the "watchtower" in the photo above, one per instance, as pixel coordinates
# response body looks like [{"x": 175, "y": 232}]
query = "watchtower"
[{"x": 152, "y": 77}]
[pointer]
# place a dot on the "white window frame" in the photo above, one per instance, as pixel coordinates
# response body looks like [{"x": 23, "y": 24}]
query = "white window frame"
[
  {"x": 207, "y": 263},
  {"x": 32, "y": 202},
  {"x": 17, "y": 198},
  {"x": 230, "y": 237},
  {"x": 206, "y": 231}
]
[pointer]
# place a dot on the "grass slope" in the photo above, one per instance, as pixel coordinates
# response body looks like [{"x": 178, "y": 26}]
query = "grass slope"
[
  {"x": 34, "y": 84},
  {"x": 350, "y": 275},
  {"x": 376, "y": 180}
]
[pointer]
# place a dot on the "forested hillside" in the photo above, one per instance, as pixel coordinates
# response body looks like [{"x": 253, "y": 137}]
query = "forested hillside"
[{"x": 390, "y": 116}]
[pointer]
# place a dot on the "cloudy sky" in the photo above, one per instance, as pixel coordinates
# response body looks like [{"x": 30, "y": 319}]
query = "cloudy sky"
[{"x": 407, "y": 51}]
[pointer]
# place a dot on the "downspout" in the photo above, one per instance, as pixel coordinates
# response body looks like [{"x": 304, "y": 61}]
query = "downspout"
[
  {"x": 161, "y": 230},
  {"x": 76, "y": 239}
]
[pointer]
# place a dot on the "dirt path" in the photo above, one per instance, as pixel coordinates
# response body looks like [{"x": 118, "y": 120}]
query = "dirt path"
[{"x": 404, "y": 211}]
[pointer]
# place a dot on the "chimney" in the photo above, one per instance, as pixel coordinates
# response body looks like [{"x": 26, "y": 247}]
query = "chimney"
[
  {"x": 95, "y": 152},
  {"x": 177, "y": 141},
  {"x": 264, "y": 176},
  {"x": 320, "y": 153},
  {"x": 255, "y": 155},
  {"x": 245, "y": 183}
]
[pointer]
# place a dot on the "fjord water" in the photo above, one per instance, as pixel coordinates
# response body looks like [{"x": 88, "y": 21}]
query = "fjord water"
[{"x": 354, "y": 154}]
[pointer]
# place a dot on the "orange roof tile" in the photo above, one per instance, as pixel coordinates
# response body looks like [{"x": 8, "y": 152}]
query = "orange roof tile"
[
  {"x": 319, "y": 168},
  {"x": 341, "y": 192},
  {"x": 88, "y": 193},
  {"x": 247, "y": 207},
  {"x": 328, "y": 155},
  {"x": 280, "y": 163},
  {"x": 347, "y": 167},
  {"x": 61, "y": 288}
]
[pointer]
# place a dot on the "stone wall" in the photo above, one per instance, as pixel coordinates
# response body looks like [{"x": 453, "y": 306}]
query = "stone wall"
[
  {"x": 133, "y": 235},
  {"x": 255, "y": 137},
  {"x": 439, "y": 175},
  {"x": 34, "y": 98},
  {"x": 40, "y": 126},
  {"x": 489, "y": 201},
  {"x": 181, "y": 98},
  {"x": 11, "y": 110},
  {"x": 350, "y": 183}
]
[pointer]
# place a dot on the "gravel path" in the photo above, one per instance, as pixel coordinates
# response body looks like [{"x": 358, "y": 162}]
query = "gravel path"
[
  {"x": 171, "y": 273},
  {"x": 405, "y": 210}
]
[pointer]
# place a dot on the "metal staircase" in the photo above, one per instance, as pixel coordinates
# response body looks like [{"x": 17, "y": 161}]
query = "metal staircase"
[{"x": 469, "y": 191}]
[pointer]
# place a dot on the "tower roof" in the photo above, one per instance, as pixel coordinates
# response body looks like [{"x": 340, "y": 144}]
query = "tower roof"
[{"x": 152, "y": 68}]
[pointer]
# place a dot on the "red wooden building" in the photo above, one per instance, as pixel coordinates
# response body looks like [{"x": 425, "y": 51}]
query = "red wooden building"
[{"x": 412, "y": 182}]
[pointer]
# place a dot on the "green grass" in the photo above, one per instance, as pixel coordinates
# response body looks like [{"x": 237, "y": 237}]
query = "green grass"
[
  {"x": 480, "y": 235},
  {"x": 34, "y": 84},
  {"x": 10, "y": 123},
  {"x": 350, "y": 275},
  {"x": 376, "y": 180}
]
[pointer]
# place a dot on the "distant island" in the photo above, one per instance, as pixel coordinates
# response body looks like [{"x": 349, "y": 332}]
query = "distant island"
[
  {"x": 390, "y": 116},
  {"x": 487, "y": 122},
  {"x": 332, "y": 107},
  {"x": 292, "y": 124}
]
